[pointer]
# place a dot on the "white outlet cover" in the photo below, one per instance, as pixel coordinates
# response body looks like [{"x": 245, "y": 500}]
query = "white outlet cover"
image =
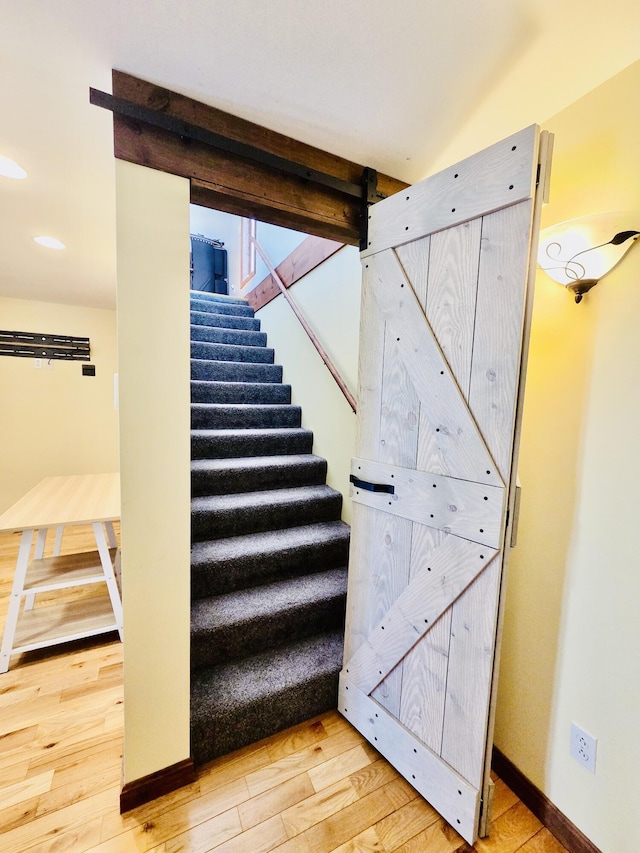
[{"x": 583, "y": 747}]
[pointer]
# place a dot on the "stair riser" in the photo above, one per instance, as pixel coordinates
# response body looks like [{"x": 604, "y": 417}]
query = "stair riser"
[
  {"x": 257, "y": 480},
  {"x": 207, "y": 306},
  {"x": 229, "y": 371},
  {"x": 208, "y": 296},
  {"x": 235, "y": 337},
  {"x": 222, "y": 645},
  {"x": 223, "y": 446},
  {"x": 240, "y": 392},
  {"x": 211, "y": 416},
  {"x": 222, "y": 733},
  {"x": 222, "y": 321},
  {"x": 216, "y": 524},
  {"x": 225, "y": 352},
  {"x": 216, "y": 577}
]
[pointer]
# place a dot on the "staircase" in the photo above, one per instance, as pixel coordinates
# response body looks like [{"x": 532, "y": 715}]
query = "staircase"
[{"x": 269, "y": 552}]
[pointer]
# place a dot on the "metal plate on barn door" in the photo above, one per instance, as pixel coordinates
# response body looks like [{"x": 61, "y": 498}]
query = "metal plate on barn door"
[{"x": 444, "y": 325}]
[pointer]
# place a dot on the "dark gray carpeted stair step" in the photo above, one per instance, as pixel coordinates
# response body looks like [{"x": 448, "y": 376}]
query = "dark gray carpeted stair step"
[
  {"x": 236, "y": 337},
  {"x": 216, "y": 307},
  {"x": 217, "y": 297},
  {"x": 228, "y": 352},
  {"x": 240, "y": 392},
  {"x": 238, "y": 703},
  {"x": 235, "y": 371},
  {"x": 243, "y": 416},
  {"x": 216, "y": 516},
  {"x": 225, "y": 443},
  {"x": 224, "y": 321},
  {"x": 250, "y": 621},
  {"x": 223, "y": 565},
  {"x": 256, "y": 473}
]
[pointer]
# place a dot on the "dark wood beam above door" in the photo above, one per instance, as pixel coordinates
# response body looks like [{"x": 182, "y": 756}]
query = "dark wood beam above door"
[{"x": 231, "y": 183}]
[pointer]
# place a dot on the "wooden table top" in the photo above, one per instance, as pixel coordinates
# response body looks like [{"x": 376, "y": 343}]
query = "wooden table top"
[{"x": 75, "y": 499}]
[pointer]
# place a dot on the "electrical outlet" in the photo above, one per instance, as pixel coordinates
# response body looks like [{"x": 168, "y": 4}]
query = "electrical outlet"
[
  {"x": 37, "y": 363},
  {"x": 583, "y": 747}
]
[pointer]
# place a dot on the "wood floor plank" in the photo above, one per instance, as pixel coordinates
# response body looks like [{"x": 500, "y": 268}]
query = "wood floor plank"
[
  {"x": 542, "y": 842},
  {"x": 510, "y": 831},
  {"x": 275, "y": 800},
  {"x": 260, "y": 839},
  {"x": 82, "y": 837},
  {"x": 404, "y": 823},
  {"x": 44, "y": 829},
  {"x": 286, "y": 768},
  {"x": 15, "y": 816},
  {"x": 296, "y": 739},
  {"x": 438, "y": 838},
  {"x": 338, "y": 768},
  {"x": 319, "y": 807},
  {"x": 364, "y": 842},
  {"x": 27, "y": 789},
  {"x": 148, "y": 831},
  {"x": 324, "y": 837},
  {"x": 503, "y": 799}
]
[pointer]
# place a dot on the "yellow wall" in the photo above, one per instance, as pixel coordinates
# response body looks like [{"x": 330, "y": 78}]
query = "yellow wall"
[
  {"x": 571, "y": 647},
  {"x": 153, "y": 353},
  {"x": 54, "y": 420},
  {"x": 329, "y": 298}
]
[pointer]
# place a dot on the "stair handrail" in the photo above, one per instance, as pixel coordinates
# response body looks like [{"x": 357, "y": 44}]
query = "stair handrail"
[{"x": 305, "y": 325}]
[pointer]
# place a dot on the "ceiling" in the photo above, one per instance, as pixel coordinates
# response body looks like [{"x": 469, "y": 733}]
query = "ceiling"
[{"x": 405, "y": 87}]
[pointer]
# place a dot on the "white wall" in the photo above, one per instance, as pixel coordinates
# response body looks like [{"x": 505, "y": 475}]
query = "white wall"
[
  {"x": 153, "y": 352},
  {"x": 329, "y": 298},
  {"x": 55, "y": 421},
  {"x": 572, "y": 636}
]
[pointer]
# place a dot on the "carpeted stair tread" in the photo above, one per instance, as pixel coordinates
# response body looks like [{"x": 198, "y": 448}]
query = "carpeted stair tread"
[
  {"x": 223, "y": 321},
  {"x": 238, "y": 703},
  {"x": 256, "y": 473},
  {"x": 223, "y": 565},
  {"x": 217, "y": 307},
  {"x": 217, "y": 297},
  {"x": 244, "y": 416},
  {"x": 215, "y": 516},
  {"x": 231, "y": 352},
  {"x": 203, "y": 391},
  {"x": 225, "y": 443},
  {"x": 236, "y": 337},
  {"x": 232, "y": 371},
  {"x": 249, "y": 621}
]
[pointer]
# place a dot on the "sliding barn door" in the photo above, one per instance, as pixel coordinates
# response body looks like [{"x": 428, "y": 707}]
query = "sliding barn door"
[{"x": 443, "y": 339}]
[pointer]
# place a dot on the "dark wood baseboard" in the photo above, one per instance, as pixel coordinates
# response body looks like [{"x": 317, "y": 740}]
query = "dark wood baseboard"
[
  {"x": 156, "y": 784},
  {"x": 556, "y": 822}
]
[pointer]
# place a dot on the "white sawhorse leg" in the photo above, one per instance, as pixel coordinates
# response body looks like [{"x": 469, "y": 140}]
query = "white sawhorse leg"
[
  {"x": 109, "y": 576},
  {"x": 29, "y": 600},
  {"x": 41, "y": 541},
  {"x": 113, "y": 543},
  {"x": 15, "y": 600}
]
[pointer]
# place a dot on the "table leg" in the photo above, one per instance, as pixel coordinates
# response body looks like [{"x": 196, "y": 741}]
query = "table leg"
[
  {"x": 107, "y": 568},
  {"x": 111, "y": 535},
  {"x": 15, "y": 600},
  {"x": 41, "y": 541},
  {"x": 58, "y": 543}
]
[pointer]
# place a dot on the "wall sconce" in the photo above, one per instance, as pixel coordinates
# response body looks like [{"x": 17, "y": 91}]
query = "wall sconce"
[{"x": 579, "y": 252}]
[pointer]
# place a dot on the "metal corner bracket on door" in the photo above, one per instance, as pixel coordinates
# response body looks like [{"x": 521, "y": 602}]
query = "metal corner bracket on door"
[{"x": 366, "y": 190}]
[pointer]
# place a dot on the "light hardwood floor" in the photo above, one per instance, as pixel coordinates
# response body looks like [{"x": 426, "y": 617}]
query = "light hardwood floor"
[{"x": 315, "y": 788}]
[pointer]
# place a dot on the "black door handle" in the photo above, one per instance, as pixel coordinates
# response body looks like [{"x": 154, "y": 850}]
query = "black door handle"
[{"x": 371, "y": 487}]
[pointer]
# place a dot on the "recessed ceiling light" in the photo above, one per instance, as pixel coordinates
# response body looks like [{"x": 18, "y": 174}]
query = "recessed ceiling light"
[
  {"x": 10, "y": 169},
  {"x": 50, "y": 242}
]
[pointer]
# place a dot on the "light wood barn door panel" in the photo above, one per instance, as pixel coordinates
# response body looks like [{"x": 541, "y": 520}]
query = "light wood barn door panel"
[{"x": 443, "y": 331}]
